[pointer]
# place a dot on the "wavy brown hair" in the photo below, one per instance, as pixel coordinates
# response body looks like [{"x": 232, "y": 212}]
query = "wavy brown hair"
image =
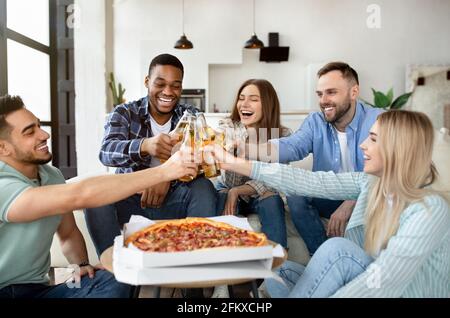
[{"x": 270, "y": 106}]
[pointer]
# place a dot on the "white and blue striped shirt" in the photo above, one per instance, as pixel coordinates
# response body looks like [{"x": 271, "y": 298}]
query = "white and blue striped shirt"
[{"x": 416, "y": 260}]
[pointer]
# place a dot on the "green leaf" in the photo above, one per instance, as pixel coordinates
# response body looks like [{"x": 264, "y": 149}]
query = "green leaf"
[
  {"x": 390, "y": 95},
  {"x": 381, "y": 100},
  {"x": 374, "y": 92},
  {"x": 113, "y": 91},
  {"x": 400, "y": 101},
  {"x": 367, "y": 103}
]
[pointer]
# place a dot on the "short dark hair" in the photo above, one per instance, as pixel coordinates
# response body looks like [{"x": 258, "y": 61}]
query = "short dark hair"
[
  {"x": 8, "y": 104},
  {"x": 347, "y": 71},
  {"x": 166, "y": 59}
]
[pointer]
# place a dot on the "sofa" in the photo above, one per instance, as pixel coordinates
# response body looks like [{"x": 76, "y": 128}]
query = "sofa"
[{"x": 58, "y": 259}]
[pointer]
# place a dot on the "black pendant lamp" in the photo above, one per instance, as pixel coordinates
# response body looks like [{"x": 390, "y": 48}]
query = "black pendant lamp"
[
  {"x": 183, "y": 43},
  {"x": 254, "y": 42}
]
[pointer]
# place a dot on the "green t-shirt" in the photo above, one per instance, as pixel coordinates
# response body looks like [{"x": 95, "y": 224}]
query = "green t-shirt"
[{"x": 25, "y": 247}]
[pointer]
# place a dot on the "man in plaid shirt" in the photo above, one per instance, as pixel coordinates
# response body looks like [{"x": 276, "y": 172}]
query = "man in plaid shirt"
[{"x": 137, "y": 137}]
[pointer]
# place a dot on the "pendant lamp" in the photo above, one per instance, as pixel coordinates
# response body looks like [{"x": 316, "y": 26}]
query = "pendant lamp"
[
  {"x": 183, "y": 43},
  {"x": 254, "y": 42}
]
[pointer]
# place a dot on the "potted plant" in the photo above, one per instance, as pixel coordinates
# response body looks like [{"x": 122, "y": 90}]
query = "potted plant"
[
  {"x": 117, "y": 92},
  {"x": 387, "y": 101}
]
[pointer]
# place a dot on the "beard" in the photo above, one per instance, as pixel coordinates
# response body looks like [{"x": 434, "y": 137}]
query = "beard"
[
  {"x": 341, "y": 110},
  {"x": 27, "y": 157}
]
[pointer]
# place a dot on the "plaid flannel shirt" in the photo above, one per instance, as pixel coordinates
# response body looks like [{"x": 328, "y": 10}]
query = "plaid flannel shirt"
[
  {"x": 125, "y": 130},
  {"x": 231, "y": 179}
]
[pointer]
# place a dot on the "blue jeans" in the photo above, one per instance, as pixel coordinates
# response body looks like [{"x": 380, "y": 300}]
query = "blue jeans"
[
  {"x": 335, "y": 263},
  {"x": 197, "y": 198},
  {"x": 306, "y": 214},
  {"x": 270, "y": 211},
  {"x": 103, "y": 285}
]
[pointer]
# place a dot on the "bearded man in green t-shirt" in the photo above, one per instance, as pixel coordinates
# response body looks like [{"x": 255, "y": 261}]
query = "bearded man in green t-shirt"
[{"x": 35, "y": 204}]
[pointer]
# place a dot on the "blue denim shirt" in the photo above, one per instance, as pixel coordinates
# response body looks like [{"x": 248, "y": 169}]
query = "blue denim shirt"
[
  {"x": 125, "y": 130},
  {"x": 319, "y": 137}
]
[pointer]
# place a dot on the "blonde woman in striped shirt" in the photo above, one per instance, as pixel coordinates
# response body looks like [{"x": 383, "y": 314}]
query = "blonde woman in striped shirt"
[{"x": 397, "y": 242}]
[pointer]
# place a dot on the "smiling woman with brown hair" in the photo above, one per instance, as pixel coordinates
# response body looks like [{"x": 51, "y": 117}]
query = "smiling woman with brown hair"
[
  {"x": 256, "y": 111},
  {"x": 397, "y": 242}
]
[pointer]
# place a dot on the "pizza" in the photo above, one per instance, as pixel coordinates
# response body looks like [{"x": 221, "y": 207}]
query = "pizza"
[{"x": 192, "y": 234}]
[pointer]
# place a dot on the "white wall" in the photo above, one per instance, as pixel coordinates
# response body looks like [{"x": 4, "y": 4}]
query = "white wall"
[
  {"x": 144, "y": 29},
  {"x": 412, "y": 31},
  {"x": 90, "y": 84}
]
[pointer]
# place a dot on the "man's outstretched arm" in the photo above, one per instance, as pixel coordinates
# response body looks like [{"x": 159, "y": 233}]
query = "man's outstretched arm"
[{"x": 36, "y": 203}]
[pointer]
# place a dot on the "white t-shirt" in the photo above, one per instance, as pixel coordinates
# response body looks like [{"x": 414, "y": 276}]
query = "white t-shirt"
[
  {"x": 346, "y": 162},
  {"x": 156, "y": 130}
]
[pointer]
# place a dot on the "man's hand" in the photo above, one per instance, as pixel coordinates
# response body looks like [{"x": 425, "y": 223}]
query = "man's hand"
[
  {"x": 83, "y": 271},
  {"x": 338, "y": 220},
  {"x": 180, "y": 164},
  {"x": 154, "y": 196},
  {"x": 159, "y": 146},
  {"x": 87, "y": 270},
  {"x": 231, "y": 203}
]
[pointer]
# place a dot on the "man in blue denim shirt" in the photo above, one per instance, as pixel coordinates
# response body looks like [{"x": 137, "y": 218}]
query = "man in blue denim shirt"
[
  {"x": 333, "y": 137},
  {"x": 137, "y": 137}
]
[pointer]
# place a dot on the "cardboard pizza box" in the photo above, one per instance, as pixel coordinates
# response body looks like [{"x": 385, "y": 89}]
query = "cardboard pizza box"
[
  {"x": 141, "y": 259},
  {"x": 132, "y": 256},
  {"x": 193, "y": 276}
]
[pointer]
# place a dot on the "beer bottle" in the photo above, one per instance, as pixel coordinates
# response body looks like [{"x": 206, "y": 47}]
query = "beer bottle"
[
  {"x": 181, "y": 125},
  {"x": 178, "y": 131},
  {"x": 188, "y": 141},
  {"x": 198, "y": 144},
  {"x": 209, "y": 166},
  {"x": 219, "y": 137}
]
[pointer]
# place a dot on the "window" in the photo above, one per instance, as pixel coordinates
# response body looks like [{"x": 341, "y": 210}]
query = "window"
[
  {"x": 36, "y": 62},
  {"x": 35, "y": 14},
  {"x": 29, "y": 77}
]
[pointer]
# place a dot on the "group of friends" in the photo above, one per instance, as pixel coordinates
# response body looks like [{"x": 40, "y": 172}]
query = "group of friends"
[{"x": 388, "y": 233}]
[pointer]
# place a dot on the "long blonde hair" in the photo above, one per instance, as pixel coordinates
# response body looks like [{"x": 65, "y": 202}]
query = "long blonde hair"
[{"x": 406, "y": 142}]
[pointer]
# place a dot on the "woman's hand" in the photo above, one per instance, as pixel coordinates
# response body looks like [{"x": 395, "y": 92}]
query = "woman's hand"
[
  {"x": 220, "y": 154},
  {"x": 180, "y": 164},
  {"x": 228, "y": 162}
]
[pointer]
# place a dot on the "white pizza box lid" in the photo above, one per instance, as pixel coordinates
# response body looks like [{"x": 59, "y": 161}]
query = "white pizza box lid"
[
  {"x": 134, "y": 257},
  {"x": 192, "y": 274}
]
